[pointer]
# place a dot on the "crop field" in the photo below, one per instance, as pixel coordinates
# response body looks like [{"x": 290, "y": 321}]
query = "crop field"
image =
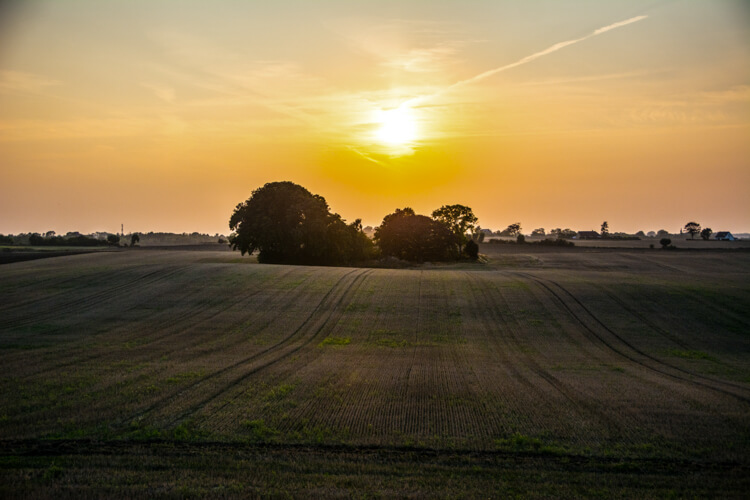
[{"x": 563, "y": 373}]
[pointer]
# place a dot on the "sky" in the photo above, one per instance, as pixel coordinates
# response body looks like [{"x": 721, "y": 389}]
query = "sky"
[{"x": 164, "y": 115}]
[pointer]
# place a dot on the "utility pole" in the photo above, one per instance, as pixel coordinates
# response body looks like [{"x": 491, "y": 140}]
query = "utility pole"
[{"x": 122, "y": 230}]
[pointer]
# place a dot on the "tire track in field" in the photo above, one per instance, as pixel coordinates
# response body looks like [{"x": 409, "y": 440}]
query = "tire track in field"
[
  {"x": 89, "y": 302},
  {"x": 580, "y": 404},
  {"x": 76, "y": 282},
  {"x": 661, "y": 366},
  {"x": 167, "y": 325},
  {"x": 336, "y": 311},
  {"x": 329, "y": 297},
  {"x": 509, "y": 363}
]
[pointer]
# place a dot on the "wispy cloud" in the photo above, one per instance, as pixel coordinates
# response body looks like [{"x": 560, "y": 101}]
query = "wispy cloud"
[
  {"x": 163, "y": 92},
  {"x": 522, "y": 61},
  {"x": 25, "y": 82}
]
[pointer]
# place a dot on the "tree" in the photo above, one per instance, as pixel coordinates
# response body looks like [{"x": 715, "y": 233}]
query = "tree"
[
  {"x": 134, "y": 238},
  {"x": 538, "y": 232},
  {"x": 665, "y": 242},
  {"x": 605, "y": 229},
  {"x": 113, "y": 239},
  {"x": 408, "y": 236},
  {"x": 693, "y": 228},
  {"x": 513, "y": 229},
  {"x": 459, "y": 218},
  {"x": 706, "y": 233},
  {"x": 288, "y": 224}
]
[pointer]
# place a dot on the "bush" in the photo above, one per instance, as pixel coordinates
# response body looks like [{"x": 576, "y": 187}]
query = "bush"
[
  {"x": 665, "y": 242},
  {"x": 521, "y": 239},
  {"x": 472, "y": 250}
]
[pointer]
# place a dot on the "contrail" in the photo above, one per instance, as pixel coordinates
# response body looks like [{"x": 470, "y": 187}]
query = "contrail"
[{"x": 527, "y": 59}]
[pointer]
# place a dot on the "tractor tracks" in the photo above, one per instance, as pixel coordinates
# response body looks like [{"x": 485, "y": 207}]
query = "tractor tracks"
[
  {"x": 89, "y": 302},
  {"x": 578, "y": 403},
  {"x": 599, "y": 331},
  {"x": 327, "y": 312}
]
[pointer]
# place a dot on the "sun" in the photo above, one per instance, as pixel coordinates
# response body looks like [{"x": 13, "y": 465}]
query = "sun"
[{"x": 398, "y": 126}]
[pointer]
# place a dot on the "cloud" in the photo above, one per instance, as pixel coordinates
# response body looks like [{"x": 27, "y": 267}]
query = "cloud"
[
  {"x": 163, "y": 92},
  {"x": 522, "y": 61},
  {"x": 25, "y": 82}
]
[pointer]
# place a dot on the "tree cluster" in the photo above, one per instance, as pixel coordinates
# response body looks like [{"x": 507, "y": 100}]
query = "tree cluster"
[{"x": 287, "y": 224}]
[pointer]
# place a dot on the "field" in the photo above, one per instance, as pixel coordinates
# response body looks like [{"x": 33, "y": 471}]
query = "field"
[{"x": 541, "y": 373}]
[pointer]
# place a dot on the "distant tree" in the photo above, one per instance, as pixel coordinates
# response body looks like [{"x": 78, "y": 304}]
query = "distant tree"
[
  {"x": 460, "y": 219},
  {"x": 513, "y": 229},
  {"x": 605, "y": 229},
  {"x": 134, "y": 238},
  {"x": 693, "y": 228},
  {"x": 521, "y": 239},
  {"x": 113, "y": 239},
  {"x": 538, "y": 232},
  {"x": 49, "y": 234},
  {"x": 472, "y": 250},
  {"x": 651, "y": 234},
  {"x": 665, "y": 242},
  {"x": 408, "y": 236},
  {"x": 706, "y": 233},
  {"x": 662, "y": 233},
  {"x": 562, "y": 234},
  {"x": 6, "y": 240},
  {"x": 640, "y": 234},
  {"x": 288, "y": 224}
]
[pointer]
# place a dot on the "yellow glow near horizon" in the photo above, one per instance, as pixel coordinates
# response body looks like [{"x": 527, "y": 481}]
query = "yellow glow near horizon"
[{"x": 398, "y": 127}]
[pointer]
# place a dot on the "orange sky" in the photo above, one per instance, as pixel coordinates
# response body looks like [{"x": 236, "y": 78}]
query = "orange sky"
[{"x": 163, "y": 115}]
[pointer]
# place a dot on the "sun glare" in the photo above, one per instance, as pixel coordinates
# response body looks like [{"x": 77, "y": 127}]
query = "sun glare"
[{"x": 397, "y": 126}]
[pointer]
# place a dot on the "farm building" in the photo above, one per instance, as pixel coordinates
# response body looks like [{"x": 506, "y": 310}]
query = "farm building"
[
  {"x": 724, "y": 236},
  {"x": 588, "y": 235}
]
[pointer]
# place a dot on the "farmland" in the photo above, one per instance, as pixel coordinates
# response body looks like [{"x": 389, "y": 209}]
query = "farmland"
[{"x": 558, "y": 372}]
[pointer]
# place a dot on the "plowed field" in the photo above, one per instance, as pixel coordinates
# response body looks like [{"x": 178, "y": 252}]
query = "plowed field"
[{"x": 556, "y": 373}]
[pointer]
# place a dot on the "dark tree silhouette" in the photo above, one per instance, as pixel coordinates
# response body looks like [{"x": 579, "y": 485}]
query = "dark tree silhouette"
[
  {"x": 408, "y": 236},
  {"x": 134, "y": 238},
  {"x": 605, "y": 229},
  {"x": 113, "y": 239},
  {"x": 288, "y": 224},
  {"x": 513, "y": 229},
  {"x": 459, "y": 218},
  {"x": 706, "y": 233},
  {"x": 693, "y": 228},
  {"x": 538, "y": 232},
  {"x": 665, "y": 242}
]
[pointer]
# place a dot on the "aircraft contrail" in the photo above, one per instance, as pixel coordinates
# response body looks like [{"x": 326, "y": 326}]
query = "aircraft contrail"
[{"x": 537, "y": 55}]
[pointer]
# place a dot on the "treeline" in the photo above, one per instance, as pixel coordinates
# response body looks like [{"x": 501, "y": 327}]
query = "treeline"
[
  {"x": 76, "y": 239},
  {"x": 62, "y": 241},
  {"x": 51, "y": 240},
  {"x": 286, "y": 224}
]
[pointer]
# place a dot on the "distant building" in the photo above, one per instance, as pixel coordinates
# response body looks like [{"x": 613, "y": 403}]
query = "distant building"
[
  {"x": 587, "y": 235},
  {"x": 724, "y": 236}
]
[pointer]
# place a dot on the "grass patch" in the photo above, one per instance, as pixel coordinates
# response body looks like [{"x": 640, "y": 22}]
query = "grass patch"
[
  {"x": 678, "y": 353},
  {"x": 335, "y": 341},
  {"x": 278, "y": 393},
  {"x": 258, "y": 430},
  {"x": 186, "y": 376}
]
